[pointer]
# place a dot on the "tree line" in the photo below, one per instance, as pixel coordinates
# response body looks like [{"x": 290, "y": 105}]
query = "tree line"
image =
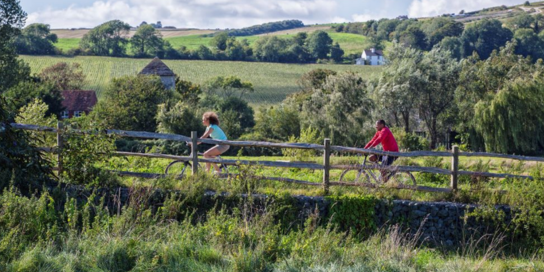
[
  {"x": 462, "y": 40},
  {"x": 266, "y": 28},
  {"x": 110, "y": 39}
]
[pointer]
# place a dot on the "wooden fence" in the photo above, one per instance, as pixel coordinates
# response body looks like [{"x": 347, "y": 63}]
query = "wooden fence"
[{"x": 326, "y": 167}]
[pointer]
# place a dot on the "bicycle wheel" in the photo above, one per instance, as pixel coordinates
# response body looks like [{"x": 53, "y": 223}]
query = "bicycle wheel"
[
  {"x": 404, "y": 178},
  {"x": 185, "y": 165},
  {"x": 354, "y": 175}
]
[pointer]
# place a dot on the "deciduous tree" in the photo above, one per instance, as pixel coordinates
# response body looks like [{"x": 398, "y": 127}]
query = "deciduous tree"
[
  {"x": 319, "y": 44},
  {"x": 36, "y": 39},
  {"x": 64, "y": 76},
  {"x": 131, "y": 103},
  {"x": 12, "y": 19},
  {"x": 107, "y": 39},
  {"x": 147, "y": 41}
]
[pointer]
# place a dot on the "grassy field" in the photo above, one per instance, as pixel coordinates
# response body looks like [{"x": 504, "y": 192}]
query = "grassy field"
[
  {"x": 272, "y": 81},
  {"x": 192, "y": 39}
]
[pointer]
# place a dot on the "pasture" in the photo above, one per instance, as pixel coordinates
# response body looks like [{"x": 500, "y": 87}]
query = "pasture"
[
  {"x": 192, "y": 39},
  {"x": 272, "y": 81}
]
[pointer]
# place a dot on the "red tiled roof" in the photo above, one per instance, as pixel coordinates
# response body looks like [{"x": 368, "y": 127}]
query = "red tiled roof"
[{"x": 79, "y": 100}]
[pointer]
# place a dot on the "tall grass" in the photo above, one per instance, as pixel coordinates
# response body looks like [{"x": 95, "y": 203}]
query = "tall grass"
[{"x": 88, "y": 237}]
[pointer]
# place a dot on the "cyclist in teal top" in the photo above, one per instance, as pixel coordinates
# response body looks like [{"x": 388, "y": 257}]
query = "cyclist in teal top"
[{"x": 211, "y": 122}]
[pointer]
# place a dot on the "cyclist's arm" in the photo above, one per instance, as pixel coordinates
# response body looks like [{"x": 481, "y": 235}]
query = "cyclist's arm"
[
  {"x": 374, "y": 142},
  {"x": 206, "y": 134}
]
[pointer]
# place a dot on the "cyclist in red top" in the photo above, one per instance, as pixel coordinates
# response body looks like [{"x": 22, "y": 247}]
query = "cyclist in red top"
[{"x": 385, "y": 137}]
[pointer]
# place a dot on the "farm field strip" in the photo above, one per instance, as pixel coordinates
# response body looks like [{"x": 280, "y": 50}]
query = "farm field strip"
[
  {"x": 350, "y": 43},
  {"x": 272, "y": 81}
]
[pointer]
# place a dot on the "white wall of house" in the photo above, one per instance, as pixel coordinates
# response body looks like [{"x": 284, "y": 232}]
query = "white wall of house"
[{"x": 369, "y": 59}]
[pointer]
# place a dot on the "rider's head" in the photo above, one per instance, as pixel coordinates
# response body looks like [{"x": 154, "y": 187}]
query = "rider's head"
[
  {"x": 210, "y": 118},
  {"x": 380, "y": 125}
]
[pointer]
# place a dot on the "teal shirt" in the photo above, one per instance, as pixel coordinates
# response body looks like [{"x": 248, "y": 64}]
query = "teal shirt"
[{"x": 217, "y": 133}]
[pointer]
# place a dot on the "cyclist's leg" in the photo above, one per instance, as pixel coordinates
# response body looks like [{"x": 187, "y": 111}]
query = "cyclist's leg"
[
  {"x": 387, "y": 161},
  {"x": 212, "y": 153}
]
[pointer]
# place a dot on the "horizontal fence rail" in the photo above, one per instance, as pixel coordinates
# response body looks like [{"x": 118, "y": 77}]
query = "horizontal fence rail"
[{"x": 325, "y": 167}]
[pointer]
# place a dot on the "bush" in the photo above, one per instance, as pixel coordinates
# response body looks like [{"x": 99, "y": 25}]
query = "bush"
[
  {"x": 307, "y": 136},
  {"x": 409, "y": 141},
  {"x": 81, "y": 153}
]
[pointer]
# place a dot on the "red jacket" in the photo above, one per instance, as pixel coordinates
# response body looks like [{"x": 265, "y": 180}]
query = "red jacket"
[{"x": 386, "y": 138}]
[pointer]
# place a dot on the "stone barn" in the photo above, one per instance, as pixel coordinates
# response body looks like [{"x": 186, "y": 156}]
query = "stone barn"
[{"x": 158, "y": 68}]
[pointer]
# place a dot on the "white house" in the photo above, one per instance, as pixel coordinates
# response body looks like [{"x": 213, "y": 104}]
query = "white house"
[{"x": 371, "y": 57}]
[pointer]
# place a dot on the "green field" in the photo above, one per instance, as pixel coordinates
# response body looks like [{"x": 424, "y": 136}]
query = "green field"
[
  {"x": 66, "y": 44},
  {"x": 351, "y": 43},
  {"x": 272, "y": 81}
]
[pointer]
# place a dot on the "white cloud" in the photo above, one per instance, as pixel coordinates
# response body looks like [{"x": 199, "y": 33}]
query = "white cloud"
[
  {"x": 425, "y": 8},
  {"x": 188, "y": 13}
]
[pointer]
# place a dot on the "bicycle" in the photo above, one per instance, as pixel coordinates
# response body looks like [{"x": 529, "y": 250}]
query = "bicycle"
[
  {"x": 187, "y": 165},
  {"x": 374, "y": 175}
]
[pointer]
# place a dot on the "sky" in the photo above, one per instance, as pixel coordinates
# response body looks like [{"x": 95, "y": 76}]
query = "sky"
[{"x": 212, "y": 14}]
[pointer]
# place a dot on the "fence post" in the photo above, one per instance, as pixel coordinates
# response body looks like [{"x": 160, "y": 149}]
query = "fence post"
[
  {"x": 327, "y": 165},
  {"x": 194, "y": 152},
  {"x": 454, "y": 167},
  {"x": 60, "y": 145}
]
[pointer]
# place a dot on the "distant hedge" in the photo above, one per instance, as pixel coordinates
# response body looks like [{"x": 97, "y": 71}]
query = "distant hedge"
[{"x": 267, "y": 27}]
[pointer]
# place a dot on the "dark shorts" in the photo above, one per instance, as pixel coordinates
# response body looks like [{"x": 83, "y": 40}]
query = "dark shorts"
[{"x": 387, "y": 160}]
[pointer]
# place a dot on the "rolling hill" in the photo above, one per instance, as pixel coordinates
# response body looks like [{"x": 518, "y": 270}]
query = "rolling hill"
[{"x": 272, "y": 81}]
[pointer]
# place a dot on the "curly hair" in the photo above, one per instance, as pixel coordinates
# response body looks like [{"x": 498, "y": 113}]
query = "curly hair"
[{"x": 211, "y": 117}]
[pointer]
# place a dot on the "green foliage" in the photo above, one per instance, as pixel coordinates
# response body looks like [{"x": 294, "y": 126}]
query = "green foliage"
[
  {"x": 483, "y": 37},
  {"x": 520, "y": 21},
  {"x": 13, "y": 18},
  {"x": 353, "y": 213},
  {"x": 36, "y": 39},
  {"x": 277, "y": 123},
  {"x": 180, "y": 119},
  {"x": 26, "y": 91},
  {"x": 397, "y": 90},
  {"x": 509, "y": 88},
  {"x": 35, "y": 113},
  {"x": 266, "y": 27},
  {"x": 131, "y": 103},
  {"x": 529, "y": 43},
  {"x": 12, "y": 70},
  {"x": 314, "y": 79},
  {"x": 21, "y": 163},
  {"x": 236, "y": 116},
  {"x": 81, "y": 153},
  {"x": 187, "y": 91},
  {"x": 229, "y": 86},
  {"x": 428, "y": 178},
  {"x": 338, "y": 109},
  {"x": 64, "y": 76},
  {"x": 220, "y": 40},
  {"x": 147, "y": 42},
  {"x": 107, "y": 39},
  {"x": 307, "y": 136},
  {"x": 440, "y": 28},
  {"x": 409, "y": 141},
  {"x": 501, "y": 126},
  {"x": 319, "y": 44}
]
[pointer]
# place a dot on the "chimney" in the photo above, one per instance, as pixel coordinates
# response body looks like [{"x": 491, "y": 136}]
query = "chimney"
[{"x": 373, "y": 50}]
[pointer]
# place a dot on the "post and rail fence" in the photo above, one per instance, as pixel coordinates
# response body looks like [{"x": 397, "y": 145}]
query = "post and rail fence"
[{"x": 326, "y": 167}]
